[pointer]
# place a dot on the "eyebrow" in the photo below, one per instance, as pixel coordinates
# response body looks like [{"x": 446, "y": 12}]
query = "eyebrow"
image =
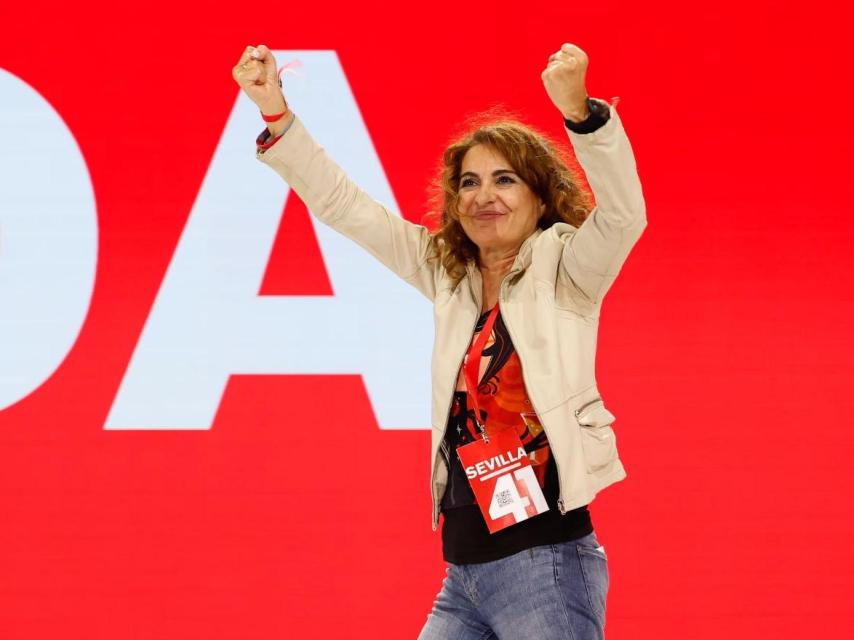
[{"x": 495, "y": 173}]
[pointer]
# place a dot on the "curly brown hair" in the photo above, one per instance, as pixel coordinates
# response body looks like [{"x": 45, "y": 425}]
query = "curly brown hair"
[{"x": 535, "y": 158}]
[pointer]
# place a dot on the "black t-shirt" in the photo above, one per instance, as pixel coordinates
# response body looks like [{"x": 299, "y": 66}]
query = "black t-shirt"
[{"x": 503, "y": 402}]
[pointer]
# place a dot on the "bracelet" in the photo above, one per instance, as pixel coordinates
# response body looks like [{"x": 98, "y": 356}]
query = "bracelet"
[
  {"x": 274, "y": 117},
  {"x": 265, "y": 139},
  {"x": 599, "y": 114}
]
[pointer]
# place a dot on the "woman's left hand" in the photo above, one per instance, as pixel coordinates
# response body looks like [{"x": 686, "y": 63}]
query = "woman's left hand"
[{"x": 564, "y": 79}]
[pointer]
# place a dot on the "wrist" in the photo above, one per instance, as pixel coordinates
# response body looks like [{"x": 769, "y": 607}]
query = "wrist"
[
  {"x": 269, "y": 111},
  {"x": 599, "y": 114},
  {"x": 273, "y": 106},
  {"x": 577, "y": 113},
  {"x": 281, "y": 125}
]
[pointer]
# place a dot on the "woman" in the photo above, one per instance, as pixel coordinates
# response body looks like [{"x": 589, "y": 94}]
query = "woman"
[{"x": 521, "y": 440}]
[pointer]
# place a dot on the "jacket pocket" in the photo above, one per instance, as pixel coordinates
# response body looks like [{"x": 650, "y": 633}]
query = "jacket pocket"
[{"x": 598, "y": 439}]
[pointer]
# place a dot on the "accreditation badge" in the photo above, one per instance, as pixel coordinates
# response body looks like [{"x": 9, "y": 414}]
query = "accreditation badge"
[{"x": 502, "y": 479}]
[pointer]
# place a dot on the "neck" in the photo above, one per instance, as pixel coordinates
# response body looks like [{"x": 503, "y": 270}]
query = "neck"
[{"x": 497, "y": 262}]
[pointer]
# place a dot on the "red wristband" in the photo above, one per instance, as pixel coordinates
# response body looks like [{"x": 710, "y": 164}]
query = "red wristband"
[
  {"x": 274, "y": 117},
  {"x": 265, "y": 139}
]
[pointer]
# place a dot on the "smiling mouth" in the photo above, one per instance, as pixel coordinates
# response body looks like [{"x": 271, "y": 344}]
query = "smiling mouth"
[{"x": 487, "y": 215}]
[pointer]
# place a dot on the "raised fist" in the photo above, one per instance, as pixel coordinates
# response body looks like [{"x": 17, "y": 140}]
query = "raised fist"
[
  {"x": 564, "y": 79},
  {"x": 256, "y": 74}
]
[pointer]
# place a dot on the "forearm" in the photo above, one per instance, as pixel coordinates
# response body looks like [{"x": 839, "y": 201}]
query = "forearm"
[
  {"x": 606, "y": 156},
  {"x": 596, "y": 251},
  {"x": 337, "y": 201}
]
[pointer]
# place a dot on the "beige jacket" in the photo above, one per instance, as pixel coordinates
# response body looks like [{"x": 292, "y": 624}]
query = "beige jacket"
[{"x": 550, "y": 300}]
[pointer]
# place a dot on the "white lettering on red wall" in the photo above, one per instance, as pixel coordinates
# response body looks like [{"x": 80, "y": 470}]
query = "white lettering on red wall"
[
  {"x": 48, "y": 240},
  {"x": 208, "y": 322}
]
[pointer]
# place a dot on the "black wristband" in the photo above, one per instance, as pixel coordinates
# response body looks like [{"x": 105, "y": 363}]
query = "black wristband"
[{"x": 600, "y": 113}]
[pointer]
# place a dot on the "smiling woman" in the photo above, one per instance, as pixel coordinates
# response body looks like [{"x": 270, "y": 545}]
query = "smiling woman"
[
  {"x": 497, "y": 211},
  {"x": 519, "y": 246}
]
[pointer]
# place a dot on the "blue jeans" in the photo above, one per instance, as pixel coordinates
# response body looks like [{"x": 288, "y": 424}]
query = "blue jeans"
[{"x": 554, "y": 591}]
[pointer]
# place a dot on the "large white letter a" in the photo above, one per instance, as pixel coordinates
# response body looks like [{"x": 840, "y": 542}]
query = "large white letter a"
[{"x": 208, "y": 322}]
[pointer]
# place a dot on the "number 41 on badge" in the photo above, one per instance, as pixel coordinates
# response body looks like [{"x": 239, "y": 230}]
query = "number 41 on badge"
[{"x": 503, "y": 480}]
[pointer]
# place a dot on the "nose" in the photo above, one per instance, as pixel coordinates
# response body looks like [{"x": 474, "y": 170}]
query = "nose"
[{"x": 484, "y": 195}]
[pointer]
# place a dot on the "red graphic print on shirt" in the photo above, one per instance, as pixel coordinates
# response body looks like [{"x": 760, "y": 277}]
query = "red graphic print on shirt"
[{"x": 503, "y": 402}]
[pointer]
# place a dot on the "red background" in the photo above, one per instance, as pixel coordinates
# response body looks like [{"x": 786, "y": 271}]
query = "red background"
[{"x": 725, "y": 346}]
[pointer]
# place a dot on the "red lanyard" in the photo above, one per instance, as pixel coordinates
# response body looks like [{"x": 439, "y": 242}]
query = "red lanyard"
[{"x": 472, "y": 368}]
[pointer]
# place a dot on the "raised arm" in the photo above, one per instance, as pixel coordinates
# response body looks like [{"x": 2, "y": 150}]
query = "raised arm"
[
  {"x": 288, "y": 148},
  {"x": 594, "y": 254}
]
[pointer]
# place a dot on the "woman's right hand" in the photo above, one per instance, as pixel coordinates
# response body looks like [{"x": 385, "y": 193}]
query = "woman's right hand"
[{"x": 256, "y": 74}]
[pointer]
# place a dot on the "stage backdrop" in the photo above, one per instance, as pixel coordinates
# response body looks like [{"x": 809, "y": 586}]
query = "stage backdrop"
[{"x": 213, "y": 410}]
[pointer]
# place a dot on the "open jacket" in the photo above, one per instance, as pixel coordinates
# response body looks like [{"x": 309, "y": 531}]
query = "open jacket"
[{"x": 550, "y": 300}]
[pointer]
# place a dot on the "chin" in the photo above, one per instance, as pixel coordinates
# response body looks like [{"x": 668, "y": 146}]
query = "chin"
[{"x": 484, "y": 239}]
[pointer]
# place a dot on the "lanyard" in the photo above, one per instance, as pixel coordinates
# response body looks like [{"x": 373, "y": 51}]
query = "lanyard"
[{"x": 472, "y": 368}]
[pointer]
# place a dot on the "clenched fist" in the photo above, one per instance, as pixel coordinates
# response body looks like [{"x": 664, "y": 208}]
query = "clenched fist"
[
  {"x": 564, "y": 79},
  {"x": 257, "y": 76}
]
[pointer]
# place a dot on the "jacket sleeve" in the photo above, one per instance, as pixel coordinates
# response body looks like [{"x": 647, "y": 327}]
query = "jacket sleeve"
[
  {"x": 595, "y": 252},
  {"x": 334, "y": 199}
]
